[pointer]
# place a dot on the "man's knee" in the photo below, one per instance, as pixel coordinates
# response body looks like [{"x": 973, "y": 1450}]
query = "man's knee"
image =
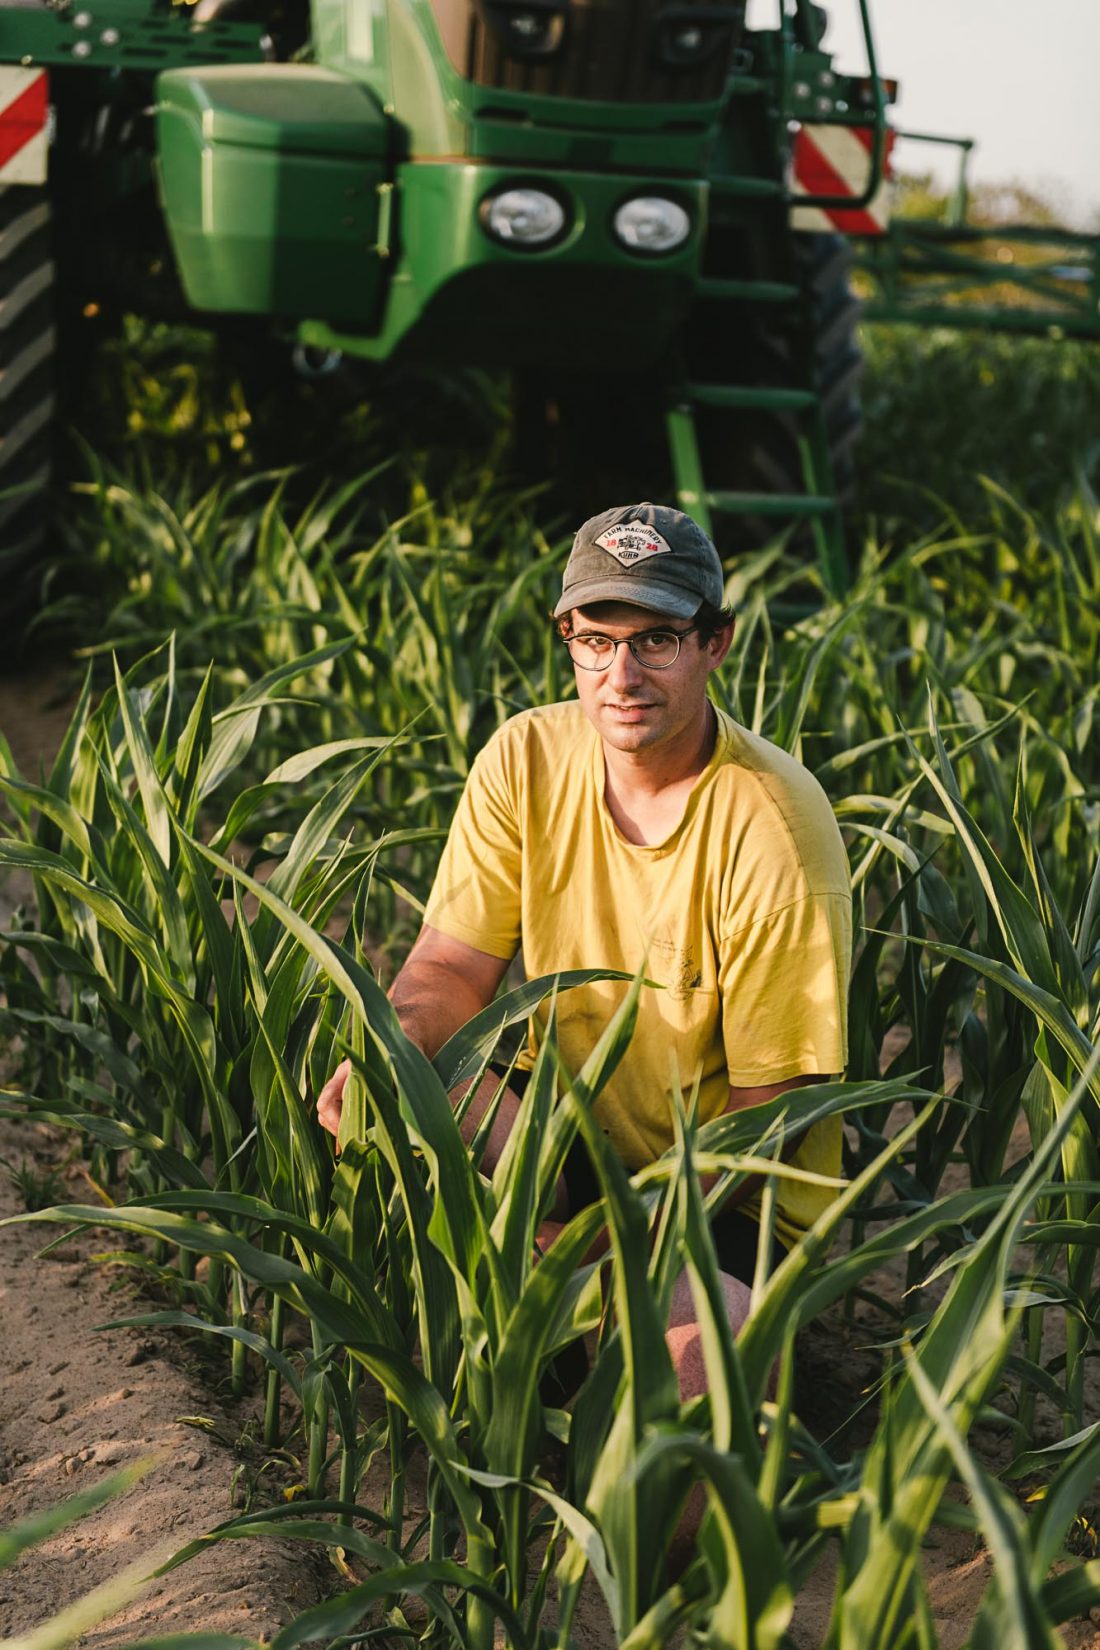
[{"x": 684, "y": 1338}]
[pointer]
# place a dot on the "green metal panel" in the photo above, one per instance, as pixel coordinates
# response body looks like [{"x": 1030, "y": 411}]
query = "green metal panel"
[
  {"x": 292, "y": 106},
  {"x": 351, "y": 37},
  {"x": 457, "y": 294},
  {"x": 270, "y": 183},
  {"x": 425, "y": 91},
  {"x": 661, "y": 147},
  {"x": 122, "y": 35},
  {"x": 396, "y": 48}
]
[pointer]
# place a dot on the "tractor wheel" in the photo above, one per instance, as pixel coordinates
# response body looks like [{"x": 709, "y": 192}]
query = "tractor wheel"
[
  {"x": 27, "y": 398},
  {"x": 825, "y": 262},
  {"x": 830, "y": 343}
]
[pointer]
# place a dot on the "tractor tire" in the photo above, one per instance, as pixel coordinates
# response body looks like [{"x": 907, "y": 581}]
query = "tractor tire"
[
  {"x": 826, "y": 264},
  {"x": 27, "y": 388}
]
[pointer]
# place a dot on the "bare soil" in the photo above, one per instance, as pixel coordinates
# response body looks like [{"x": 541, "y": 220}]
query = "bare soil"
[{"x": 77, "y": 1403}]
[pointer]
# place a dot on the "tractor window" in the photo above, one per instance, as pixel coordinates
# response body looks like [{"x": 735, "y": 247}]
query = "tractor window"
[{"x": 613, "y": 50}]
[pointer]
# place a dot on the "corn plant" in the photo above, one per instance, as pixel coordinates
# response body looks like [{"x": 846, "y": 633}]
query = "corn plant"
[{"x": 139, "y": 985}]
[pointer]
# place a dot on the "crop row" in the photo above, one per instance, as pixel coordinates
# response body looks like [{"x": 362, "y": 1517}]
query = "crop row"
[{"x": 223, "y": 861}]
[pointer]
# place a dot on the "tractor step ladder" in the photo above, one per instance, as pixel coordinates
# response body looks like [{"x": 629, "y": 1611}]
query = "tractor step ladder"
[
  {"x": 760, "y": 292},
  {"x": 817, "y": 504}
]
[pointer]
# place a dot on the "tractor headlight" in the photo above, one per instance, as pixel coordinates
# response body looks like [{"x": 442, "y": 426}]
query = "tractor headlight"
[
  {"x": 650, "y": 223},
  {"x": 523, "y": 217}
]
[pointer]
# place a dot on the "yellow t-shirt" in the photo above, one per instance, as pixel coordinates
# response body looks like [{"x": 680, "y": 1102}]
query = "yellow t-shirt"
[{"x": 743, "y": 914}]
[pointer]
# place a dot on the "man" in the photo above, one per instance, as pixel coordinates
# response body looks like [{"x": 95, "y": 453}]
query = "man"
[{"x": 640, "y": 825}]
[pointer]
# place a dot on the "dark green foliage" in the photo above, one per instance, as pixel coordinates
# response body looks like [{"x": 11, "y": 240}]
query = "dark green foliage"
[{"x": 943, "y": 409}]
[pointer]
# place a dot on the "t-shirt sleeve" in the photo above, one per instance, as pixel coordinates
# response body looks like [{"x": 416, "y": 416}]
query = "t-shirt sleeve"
[
  {"x": 476, "y": 894},
  {"x": 783, "y": 981}
]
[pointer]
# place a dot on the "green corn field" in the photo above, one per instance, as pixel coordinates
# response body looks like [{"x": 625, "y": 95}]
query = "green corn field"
[{"x": 224, "y": 865}]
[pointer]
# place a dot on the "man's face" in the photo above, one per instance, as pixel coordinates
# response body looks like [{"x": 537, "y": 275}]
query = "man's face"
[{"x": 634, "y": 708}]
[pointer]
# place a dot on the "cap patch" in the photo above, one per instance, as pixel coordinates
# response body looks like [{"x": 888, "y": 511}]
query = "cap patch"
[{"x": 632, "y": 541}]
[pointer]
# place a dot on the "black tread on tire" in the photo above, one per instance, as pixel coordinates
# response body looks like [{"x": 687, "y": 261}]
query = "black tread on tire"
[
  {"x": 27, "y": 385},
  {"x": 826, "y": 261}
]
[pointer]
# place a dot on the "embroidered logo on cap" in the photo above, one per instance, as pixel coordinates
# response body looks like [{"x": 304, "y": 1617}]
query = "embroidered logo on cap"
[{"x": 632, "y": 541}]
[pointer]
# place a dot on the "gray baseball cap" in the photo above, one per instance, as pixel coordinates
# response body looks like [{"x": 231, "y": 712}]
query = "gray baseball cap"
[{"x": 647, "y": 554}]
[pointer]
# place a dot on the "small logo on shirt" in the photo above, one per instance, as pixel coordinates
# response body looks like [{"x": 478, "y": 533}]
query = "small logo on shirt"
[
  {"x": 683, "y": 976},
  {"x": 632, "y": 541}
]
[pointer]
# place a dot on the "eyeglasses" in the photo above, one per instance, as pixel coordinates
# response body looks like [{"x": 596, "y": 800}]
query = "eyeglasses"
[{"x": 655, "y": 649}]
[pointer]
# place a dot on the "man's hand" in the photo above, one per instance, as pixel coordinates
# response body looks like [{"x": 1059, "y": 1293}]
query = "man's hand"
[
  {"x": 443, "y": 984},
  {"x": 330, "y": 1101}
]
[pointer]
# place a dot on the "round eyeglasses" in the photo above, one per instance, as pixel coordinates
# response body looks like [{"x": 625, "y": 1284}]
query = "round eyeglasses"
[{"x": 655, "y": 649}]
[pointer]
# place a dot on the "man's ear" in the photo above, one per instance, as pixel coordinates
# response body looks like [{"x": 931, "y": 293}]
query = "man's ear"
[{"x": 720, "y": 643}]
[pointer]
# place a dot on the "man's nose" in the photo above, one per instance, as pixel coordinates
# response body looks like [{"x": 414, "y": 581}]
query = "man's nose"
[{"x": 624, "y": 671}]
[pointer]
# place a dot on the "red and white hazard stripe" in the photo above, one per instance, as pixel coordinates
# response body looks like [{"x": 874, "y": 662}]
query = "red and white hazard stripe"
[
  {"x": 836, "y": 160},
  {"x": 24, "y": 116}
]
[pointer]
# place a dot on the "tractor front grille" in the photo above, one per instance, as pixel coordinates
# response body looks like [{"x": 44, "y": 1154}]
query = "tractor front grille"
[{"x": 613, "y": 51}]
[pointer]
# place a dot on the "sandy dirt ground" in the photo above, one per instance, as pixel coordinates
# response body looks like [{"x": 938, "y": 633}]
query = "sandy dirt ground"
[{"x": 78, "y": 1403}]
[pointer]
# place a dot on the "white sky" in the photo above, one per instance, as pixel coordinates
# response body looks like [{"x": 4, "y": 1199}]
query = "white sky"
[{"x": 1020, "y": 76}]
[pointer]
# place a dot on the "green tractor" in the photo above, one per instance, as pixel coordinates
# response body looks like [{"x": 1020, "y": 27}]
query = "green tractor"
[{"x": 641, "y": 210}]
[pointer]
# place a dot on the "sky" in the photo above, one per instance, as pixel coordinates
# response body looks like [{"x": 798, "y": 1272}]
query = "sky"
[{"x": 1020, "y": 76}]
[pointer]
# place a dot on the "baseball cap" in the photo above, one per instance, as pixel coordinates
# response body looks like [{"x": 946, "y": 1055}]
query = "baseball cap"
[{"x": 648, "y": 554}]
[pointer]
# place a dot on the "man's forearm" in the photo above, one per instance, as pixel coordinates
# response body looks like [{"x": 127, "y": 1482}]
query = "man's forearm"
[
  {"x": 433, "y": 1000},
  {"x": 432, "y": 1003}
]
